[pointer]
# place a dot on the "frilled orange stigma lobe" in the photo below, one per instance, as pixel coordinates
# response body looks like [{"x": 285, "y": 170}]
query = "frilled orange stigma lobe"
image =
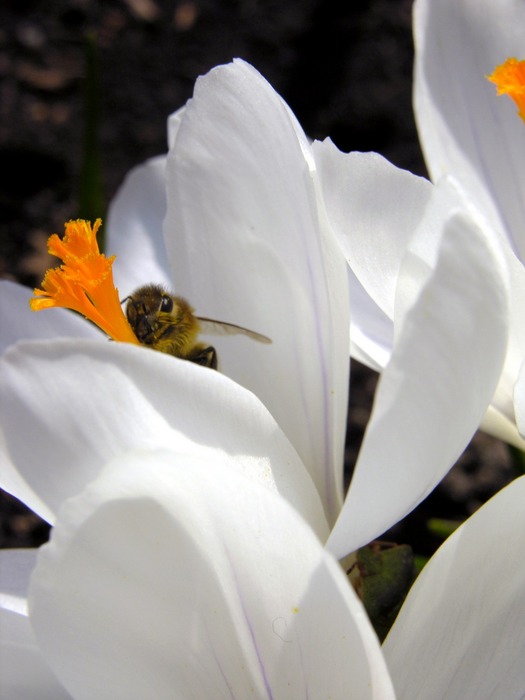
[
  {"x": 509, "y": 78},
  {"x": 84, "y": 281}
]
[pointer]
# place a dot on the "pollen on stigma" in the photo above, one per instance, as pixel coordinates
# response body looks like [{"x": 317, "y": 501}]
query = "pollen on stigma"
[
  {"x": 509, "y": 79},
  {"x": 84, "y": 281}
]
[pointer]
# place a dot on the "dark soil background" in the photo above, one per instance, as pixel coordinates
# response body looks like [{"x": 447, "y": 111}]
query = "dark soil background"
[{"x": 346, "y": 72}]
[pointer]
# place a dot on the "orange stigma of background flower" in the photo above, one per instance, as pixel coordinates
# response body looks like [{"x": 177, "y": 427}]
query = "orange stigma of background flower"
[
  {"x": 84, "y": 281},
  {"x": 509, "y": 78}
]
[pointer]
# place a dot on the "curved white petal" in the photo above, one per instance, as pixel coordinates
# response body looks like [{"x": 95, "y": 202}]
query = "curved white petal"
[
  {"x": 464, "y": 127},
  {"x": 504, "y": 399},
  {"x": 496, "y": 423},
  {"x": 249, "y": 244},
  {"x": 371, "y": 331},
  {"x": 461, "y": 631},
  {"x": 16, "y": 566},
  {"x": 18, "y": 322},
  {"x": 449, "y": 197},
  {"x": 85, "y": 402},
  {"x": 374, "y": 209},
  {"x": 134, "y": 228},
  {"x": 519, "y": 403},
  {"x": 161, "y": 582},
  {"x": 434, "y": 392},
  {"x": 24, "y": 674},
  {"x": 174, "y": 121},
  {"x": 19, "y": 483}
]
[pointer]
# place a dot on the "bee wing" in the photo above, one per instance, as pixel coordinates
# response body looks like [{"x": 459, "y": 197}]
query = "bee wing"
[{"x": 209, "y": 325}]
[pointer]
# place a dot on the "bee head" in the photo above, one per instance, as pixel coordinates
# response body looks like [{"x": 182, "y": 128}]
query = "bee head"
[
  {"x": 160, "y": 320},
  {"x": 142, "y": 310}
]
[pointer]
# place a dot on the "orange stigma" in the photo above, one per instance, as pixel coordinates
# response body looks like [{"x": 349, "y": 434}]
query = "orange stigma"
[
  {"x": 84, "y": 281},
  {"x": 509, "y": 78}
]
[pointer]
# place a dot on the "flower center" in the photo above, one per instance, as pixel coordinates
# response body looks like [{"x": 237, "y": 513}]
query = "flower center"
[
  {"x": 84, "y": 281},
  {"x": 509, "y": 78}
]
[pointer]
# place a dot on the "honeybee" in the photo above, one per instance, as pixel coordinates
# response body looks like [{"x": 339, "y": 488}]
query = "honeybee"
[{"x": 167, "y": 323}]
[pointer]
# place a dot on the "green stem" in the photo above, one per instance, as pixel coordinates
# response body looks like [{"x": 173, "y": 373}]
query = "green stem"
[{"x": 91, "y": 200}]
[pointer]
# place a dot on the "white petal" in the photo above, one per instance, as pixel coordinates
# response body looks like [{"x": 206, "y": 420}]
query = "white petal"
[
  {"x": 449, "y": 197},
  {"x": 374, "y": 209},
  {"x": 24, "y": 675},
  {"x": 519, "y": 401},
  {"x": 85, "y": 402},
  {"x": 465, "y": 128},
  {"x": 174, "y": 121},
  {"x": 371, "y": 331},
  {"x": 434, "y": 392},
  {"x": 497, "y": 424},
  {"x": 13, "y": 481},
  {"x": 248, "y": 245},
  {"x": 461, "y": 631},
  {"x": 134, "y": 228},
  {"x": 18, "y": 322},
  {"x": 161, "y": 582},
  {"x": 505, "y": 399},
  {"x": 16, "y": 566}
]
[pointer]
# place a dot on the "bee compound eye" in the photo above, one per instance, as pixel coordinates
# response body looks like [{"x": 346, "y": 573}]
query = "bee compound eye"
[
  {"x": 166, "y": 304},
  {"x": 130, "y": 309}
]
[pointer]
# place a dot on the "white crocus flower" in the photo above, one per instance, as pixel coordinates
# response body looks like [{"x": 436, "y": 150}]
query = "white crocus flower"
[
  {"x": 474, "y": 146},
  {"x": 249, "y": 211},
  {"x": 243, "y": 185},
  {"x": 182, "y": 566},
  {"x": 471, "y": 134}
]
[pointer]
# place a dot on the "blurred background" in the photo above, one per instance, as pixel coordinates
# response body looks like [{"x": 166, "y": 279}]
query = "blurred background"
[{"x": 81, "y": 76}]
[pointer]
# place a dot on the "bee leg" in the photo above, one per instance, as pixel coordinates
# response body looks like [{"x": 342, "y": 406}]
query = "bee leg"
[{"x": 205, "y": 356}]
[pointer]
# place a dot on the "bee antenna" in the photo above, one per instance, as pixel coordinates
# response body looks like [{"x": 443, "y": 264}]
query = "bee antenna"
[{"x": 122, "y": 301}]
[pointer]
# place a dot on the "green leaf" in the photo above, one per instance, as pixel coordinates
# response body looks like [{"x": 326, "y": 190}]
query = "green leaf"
[
  {"x": 441, "y": 527},
  {"x": 385, "y": 573}
]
